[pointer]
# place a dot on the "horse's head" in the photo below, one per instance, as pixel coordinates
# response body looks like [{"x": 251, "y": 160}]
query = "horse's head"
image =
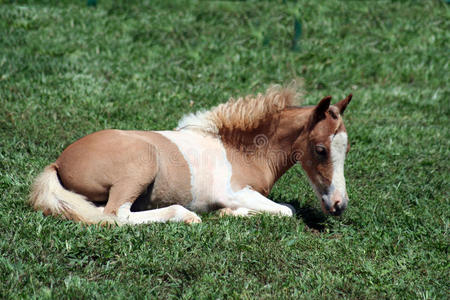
[{"x": 323, "y": 147}]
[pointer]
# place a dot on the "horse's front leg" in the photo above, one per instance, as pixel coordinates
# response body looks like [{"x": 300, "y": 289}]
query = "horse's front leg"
[
  {"x": 249, "y": 202},
  {"x": 237, "y": 212}
]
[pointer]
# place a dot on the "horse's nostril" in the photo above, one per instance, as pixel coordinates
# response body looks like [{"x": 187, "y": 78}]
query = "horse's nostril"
[
  {"x": 337, "y": 204},
  {"x": 336, "y": 210}
]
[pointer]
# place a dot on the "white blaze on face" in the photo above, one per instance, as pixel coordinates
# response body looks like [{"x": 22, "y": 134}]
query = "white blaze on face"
[{"x": 338, "y": 151}]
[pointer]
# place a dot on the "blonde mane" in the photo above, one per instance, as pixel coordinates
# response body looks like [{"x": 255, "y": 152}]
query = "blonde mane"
[{"x": 243, "y": 114}]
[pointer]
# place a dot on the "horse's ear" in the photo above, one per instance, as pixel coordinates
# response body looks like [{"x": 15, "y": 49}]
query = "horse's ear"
[
  {"x": 320, "y": 110},
  {"x": 341, "y": 105}
]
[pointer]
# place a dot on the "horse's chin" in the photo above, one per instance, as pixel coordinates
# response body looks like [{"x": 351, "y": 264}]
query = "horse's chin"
[{"x": 336, "y": 213}]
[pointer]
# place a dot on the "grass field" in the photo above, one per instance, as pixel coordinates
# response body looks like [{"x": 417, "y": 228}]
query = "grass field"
[{"x": 68, "y": 69}]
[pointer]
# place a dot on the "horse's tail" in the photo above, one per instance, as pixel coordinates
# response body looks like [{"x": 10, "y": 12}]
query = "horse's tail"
[{"x": 48, "y": 195}]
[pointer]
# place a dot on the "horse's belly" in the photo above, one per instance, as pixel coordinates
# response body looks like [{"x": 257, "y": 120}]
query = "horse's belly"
[{"x": 210, "y": 171}]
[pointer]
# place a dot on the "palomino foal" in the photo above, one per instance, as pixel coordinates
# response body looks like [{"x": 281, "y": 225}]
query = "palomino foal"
[{"x": 227, "y": 158}]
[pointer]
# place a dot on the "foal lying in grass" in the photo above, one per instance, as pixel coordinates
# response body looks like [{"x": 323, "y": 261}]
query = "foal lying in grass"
[{"x": 227, "y": 158}]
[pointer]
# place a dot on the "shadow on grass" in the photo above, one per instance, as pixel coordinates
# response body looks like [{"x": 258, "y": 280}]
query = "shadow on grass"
[{"x": 312, "y": 217}]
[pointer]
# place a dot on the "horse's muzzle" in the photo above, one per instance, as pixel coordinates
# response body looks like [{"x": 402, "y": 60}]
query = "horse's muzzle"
[
  {"x": 334, "y": 205},
  {"x": 338, "y": 210}
]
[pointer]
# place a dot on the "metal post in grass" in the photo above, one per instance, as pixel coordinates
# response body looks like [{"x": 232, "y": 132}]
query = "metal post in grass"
[
  {"x": 92, "y": 3},
  {"x": 297, "y": 34}
]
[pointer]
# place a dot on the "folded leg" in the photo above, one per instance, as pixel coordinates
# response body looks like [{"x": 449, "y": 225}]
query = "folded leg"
[
  {"x": 173, "y": 213},
  {"x": 237, "y": 212},
  {"x": 248, "y": 201}
]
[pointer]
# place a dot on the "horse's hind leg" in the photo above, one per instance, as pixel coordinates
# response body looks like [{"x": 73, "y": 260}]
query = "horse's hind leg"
[
  {"x": 128, "y": 188},
  {"x": 174, "y": 213},
  {"x": 123, "y": 192}
]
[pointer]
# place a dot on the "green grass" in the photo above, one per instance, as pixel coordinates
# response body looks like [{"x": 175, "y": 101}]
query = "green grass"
[{"x": 67, "y": 70}]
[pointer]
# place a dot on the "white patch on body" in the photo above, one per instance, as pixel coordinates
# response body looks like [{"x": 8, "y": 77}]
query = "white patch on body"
[
  {"x": 208, "y": 164},
  {"x": 338, "y": 151},
  {"x": 211, "y": 176}
]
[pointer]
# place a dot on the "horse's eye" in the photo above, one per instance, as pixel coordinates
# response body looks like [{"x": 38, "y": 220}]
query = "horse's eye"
[{"x": 321, "y": 150}]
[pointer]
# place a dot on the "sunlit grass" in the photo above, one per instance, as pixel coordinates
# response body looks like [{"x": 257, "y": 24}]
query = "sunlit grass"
[{"x": 67, "y": 70}]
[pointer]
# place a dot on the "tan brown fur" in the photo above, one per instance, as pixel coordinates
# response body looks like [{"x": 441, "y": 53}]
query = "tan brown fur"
[{"x": 112, "y": 167}]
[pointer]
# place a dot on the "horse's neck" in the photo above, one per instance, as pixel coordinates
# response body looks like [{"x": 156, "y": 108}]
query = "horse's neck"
[
  {"x": 271, "y": 150},
  {"x": 291, "y": 129},
  {"x": 282, "y": 157}
]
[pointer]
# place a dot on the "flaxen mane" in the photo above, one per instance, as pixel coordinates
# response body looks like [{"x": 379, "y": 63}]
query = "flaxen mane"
[{"x": 244, "y": 114}]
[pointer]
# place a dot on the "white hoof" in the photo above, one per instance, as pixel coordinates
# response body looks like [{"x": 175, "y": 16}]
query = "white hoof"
[
  {"x": 182, "y": 214},
  {"x": 288, "y": 210},
  {"x": 124, "y": 211},
  {"x": 194, "y": 219}
]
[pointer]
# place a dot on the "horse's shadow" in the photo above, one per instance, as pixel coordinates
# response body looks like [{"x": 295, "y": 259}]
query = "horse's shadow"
[{"x": 312, "y": 217}]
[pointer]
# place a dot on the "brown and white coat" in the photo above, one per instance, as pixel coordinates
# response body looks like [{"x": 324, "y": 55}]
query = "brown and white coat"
[{"x": 227, "y": 158}]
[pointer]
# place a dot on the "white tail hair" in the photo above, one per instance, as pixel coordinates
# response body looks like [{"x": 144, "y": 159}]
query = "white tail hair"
[{"x": 48, "y": 195}]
